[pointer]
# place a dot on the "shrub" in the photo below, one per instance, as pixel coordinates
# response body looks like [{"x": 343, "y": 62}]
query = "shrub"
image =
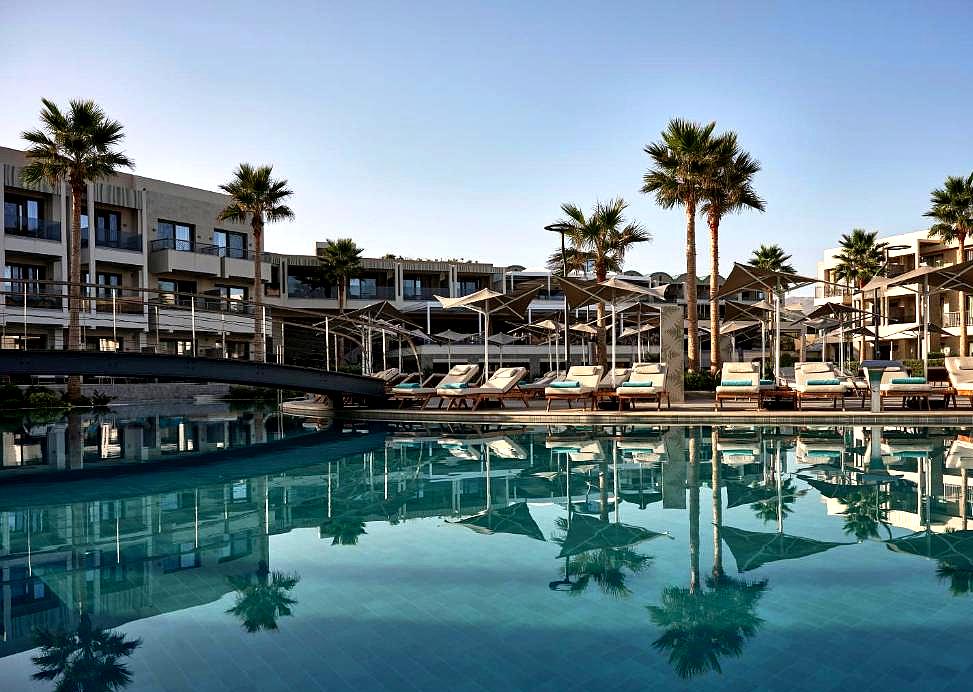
[{"x": 700, "y": 381}]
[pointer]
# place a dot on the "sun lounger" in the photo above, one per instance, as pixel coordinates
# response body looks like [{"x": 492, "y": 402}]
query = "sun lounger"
[
  {"x": 611, "y": 380},
  {"x": 580, "y": 384},
  {"x": 646, "y": 383},
  {"x": 818, "y": 381},
  {"x": 960, "y": 369},
  {"x": 739, "y": 381},
  {"x": 538, "y": 386},
  {"x": 896, "y": 383},
  {"x": 458, "y": 374},
  {"x": 501, "y": 385}
]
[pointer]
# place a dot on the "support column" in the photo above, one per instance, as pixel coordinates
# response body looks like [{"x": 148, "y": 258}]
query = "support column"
[
  {"x": 672, "y": 354},
  {"x": 92, "y": 260}
]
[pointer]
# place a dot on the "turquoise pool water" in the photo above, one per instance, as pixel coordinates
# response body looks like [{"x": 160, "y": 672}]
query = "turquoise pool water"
[{"x": 386, "y": 558}]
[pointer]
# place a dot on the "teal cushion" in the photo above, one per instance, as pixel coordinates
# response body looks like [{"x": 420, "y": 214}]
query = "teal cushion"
[
  {"x": 767, "y": 382},
  {"x": 454, "y": 385},
  {"x": 407, "y": 385},
  {"x": 565, "y": 384},
  {"x": 736, "y": 383},
  {"x": 908, "y": 380},
  {"x": 637, "y": 384},
  {"x": 829, "y": 381}
]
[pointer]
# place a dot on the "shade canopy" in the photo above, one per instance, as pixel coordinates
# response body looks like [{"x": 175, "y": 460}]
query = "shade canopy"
[
  {"x": 736, "y": 310},
  {"x": 738, "y": 494},
  {"x": 451, "y": 336},
  {"x": 752, "y": 549},
  {"x": 584, "y": 328},
  {"x": 515, "y": 519},
  {"x": 589, "y": 533},
  {"x": 954, "y": 547},
  {"x": 582, "y": 292},
  {"x": 832, "y": 310},
  {"x": 745, "y": 277}
]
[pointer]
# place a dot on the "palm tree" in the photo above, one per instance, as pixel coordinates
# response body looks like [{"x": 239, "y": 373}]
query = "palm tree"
[
  {"x": 78, "y": 146},
  {"x": 577, "y": 261},
  {"x": 263, "y": 597},
  {"x": 254, "y": 193},
  {"x": 860, "y": 258},
  {"x": 952, "y": 208},
  {"x": 343, "y": 530},
  {"x": 340, "y": 259},
  {"x": 778, "y": 507},
  {"x": 604, "y": 237},
  {"x": 85, "y": 660},
  {"x": 864, "y": 512},
  {"x": 773, "y": 258},
  {"x": 728, "y": 189},
  {"x": 682, "y": 162},
  {"x": 960, "y": 579},
  {"x": 606, "y": 568}
]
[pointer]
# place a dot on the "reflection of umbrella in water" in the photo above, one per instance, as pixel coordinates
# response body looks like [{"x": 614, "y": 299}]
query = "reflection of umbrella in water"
[
  {"x": 751, "y": 549},
  {"x": 590, "y": 533},
  {"x": 954, "y": 547},
  {"x": 515, "y": 519},
  {"x": 739, "y": 494}
]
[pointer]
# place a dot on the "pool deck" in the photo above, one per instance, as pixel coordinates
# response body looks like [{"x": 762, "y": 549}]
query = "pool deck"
[{"x": 693, "y": 412}]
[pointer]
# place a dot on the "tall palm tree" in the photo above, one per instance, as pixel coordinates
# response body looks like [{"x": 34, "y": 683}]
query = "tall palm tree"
[
  {"x": 771, "y": 257},
  {"x": 860, "y": 258},
  {"x": 255, "y": 194},
  {"x": 76, "y": 146},
  {"x": 85, "y": 660},
  {"x": 262, "y": 598},
  {"x": 577, "y": 261},
  {"x": 777, "y": 508},
  {"x": 340, "y": 259},
  {"x": 952, "y": 208},
  {"x": 605, "y": 236},
  {"x": 728, "y": 189},
  {"x": 682, "y": 162}
]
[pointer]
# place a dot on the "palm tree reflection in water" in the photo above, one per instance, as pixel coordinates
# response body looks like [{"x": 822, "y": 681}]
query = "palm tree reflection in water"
[
  {"x": 702, "y": 625},
  {"x": 263, "y": 597},
  {"x": 85, "y": 660}
]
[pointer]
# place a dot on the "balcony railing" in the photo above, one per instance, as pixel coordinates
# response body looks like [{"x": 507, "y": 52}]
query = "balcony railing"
[
  {"x": 123, "y": 300},
  {"x": 184, "y": 246},
  {"x": 379, "y": 292},
  {"x": 423, "y": 293},
  {"x": 41, "y": 229},
  {"x": 35, "y": 296},
  {"x": 302, "y": 290},
  {"x": 827, "y": 291},
  {"x": 951, "y": 319}
]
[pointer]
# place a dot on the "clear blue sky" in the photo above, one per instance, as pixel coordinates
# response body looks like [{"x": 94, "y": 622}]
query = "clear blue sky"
[{"x": 457, "y": 129}]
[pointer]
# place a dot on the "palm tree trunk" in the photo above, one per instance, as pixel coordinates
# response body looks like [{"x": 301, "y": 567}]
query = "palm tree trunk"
[
  {"x": 717, "y": 511},
  {"x": 692, "y": 480},
  {"x": 74, "y": 282},
  {"x": 692, "y": 359},
  {"x": 963, "y": 347},
  {"x": 714, "y": 288},
  {"x": 259, "y": 338}
]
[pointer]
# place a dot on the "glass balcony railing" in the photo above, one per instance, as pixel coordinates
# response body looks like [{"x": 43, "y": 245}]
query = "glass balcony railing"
[
  {"x": 122, "y": 241},
  {"x": 423, "y": 293},
  {"x": 41, "y": 229},
  {"x": 184, "y": 246}
]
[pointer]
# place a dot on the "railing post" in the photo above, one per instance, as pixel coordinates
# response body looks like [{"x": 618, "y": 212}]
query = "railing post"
[
  {"x": 327, "y": 344},
  {"x": 114, "y": 317},
  {"x": 192, "y": 311},
  {"x": 263, "y": 330},
  {"x": 25, "y": 315}
]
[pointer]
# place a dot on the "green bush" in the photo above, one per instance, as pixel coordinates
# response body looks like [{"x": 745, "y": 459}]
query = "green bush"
[
  {"x": 701, "y": 381},
  {"x": 44, "y": 399}
]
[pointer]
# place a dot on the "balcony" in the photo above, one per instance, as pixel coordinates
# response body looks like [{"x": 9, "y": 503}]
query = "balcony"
[
  {"x": 423, "y": 293},
  {"x": 376, "y": 293},
  {"x": 37, "y": 229},
  {"x": 35, "y": 297},
  {"x": 951, "y": 319},
  {"x": 127, "y": 301},
  {"x": 169, "y": 255},
  {"x": 238, "y": 264},
  {"x": 210, "y": 314}
]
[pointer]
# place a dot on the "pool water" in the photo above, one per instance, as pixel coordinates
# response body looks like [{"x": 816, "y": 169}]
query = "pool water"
[{"x": 399, "y": 558}]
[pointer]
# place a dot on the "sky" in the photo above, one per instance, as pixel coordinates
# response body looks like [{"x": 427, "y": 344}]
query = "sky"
[{"x": 457, "y": 129}]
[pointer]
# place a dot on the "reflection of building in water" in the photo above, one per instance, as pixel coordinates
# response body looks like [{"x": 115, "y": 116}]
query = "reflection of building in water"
[
  {"x": 919, "y": 476},
  {"x": 119, "y": 436}
]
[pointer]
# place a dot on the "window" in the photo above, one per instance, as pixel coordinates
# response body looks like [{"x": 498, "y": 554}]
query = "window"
[
  {"x": 176, "y": 347},
  {"x": 467, "y": 287},
  {"x": 362, "y": 288},
  {"x": 232, "y": 298},
  {"x": 26, "y": 278},
  {"x": 108, "y": 225},
  {"x": 411, "y": 288},
  {"x": 104, "y": 344},
  {"x": 230, "y": 243},
  {"x": 22, "y": 214},
  {"x": 108, "y": 281},
  {"x": 179, "y": 236},
  {"x": 169, "y": 290}
]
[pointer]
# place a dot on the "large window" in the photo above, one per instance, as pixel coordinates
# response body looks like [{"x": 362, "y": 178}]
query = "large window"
[
  {"x": 467, "y": 287},
  {"x": 179, "y": 236},
  {"x": 108, "y": 227},
  {"x": 176, "y": 347},
  {"x": 412, "y": 288},
  {"x": 169, "y": 290},
  {"x": 107, "y": 282},
  {"x": 362, "y": 288},
  {"x": 22, "y": 214},
  {"x": 232, "y": 298},
  {"x": 27, "y": 278},
  {"x": 230, "y": 243}
]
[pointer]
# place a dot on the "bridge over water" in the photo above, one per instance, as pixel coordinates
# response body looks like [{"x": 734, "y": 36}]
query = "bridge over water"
[{"x": 189, "y": 369}]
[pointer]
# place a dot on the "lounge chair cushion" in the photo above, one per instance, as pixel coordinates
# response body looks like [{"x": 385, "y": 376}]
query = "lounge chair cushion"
[
  {"x": 766, "y": 383},
  {"x": 630, "y": 385},
  {"x": 565, "y": 384},
  {"x": 638, "y": 388},
  {"x": 735, "y": 383},
  {"x": 407, "y": 385},
  {"x": 909, "y": 380},
  {"x": 824, "y": 382},
  {"x": 454, "y": 385},
  {"x": 460, "y": 369}
]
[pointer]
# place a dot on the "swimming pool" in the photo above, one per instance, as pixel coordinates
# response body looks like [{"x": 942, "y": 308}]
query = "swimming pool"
[{"x": 520, "y": 558}]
